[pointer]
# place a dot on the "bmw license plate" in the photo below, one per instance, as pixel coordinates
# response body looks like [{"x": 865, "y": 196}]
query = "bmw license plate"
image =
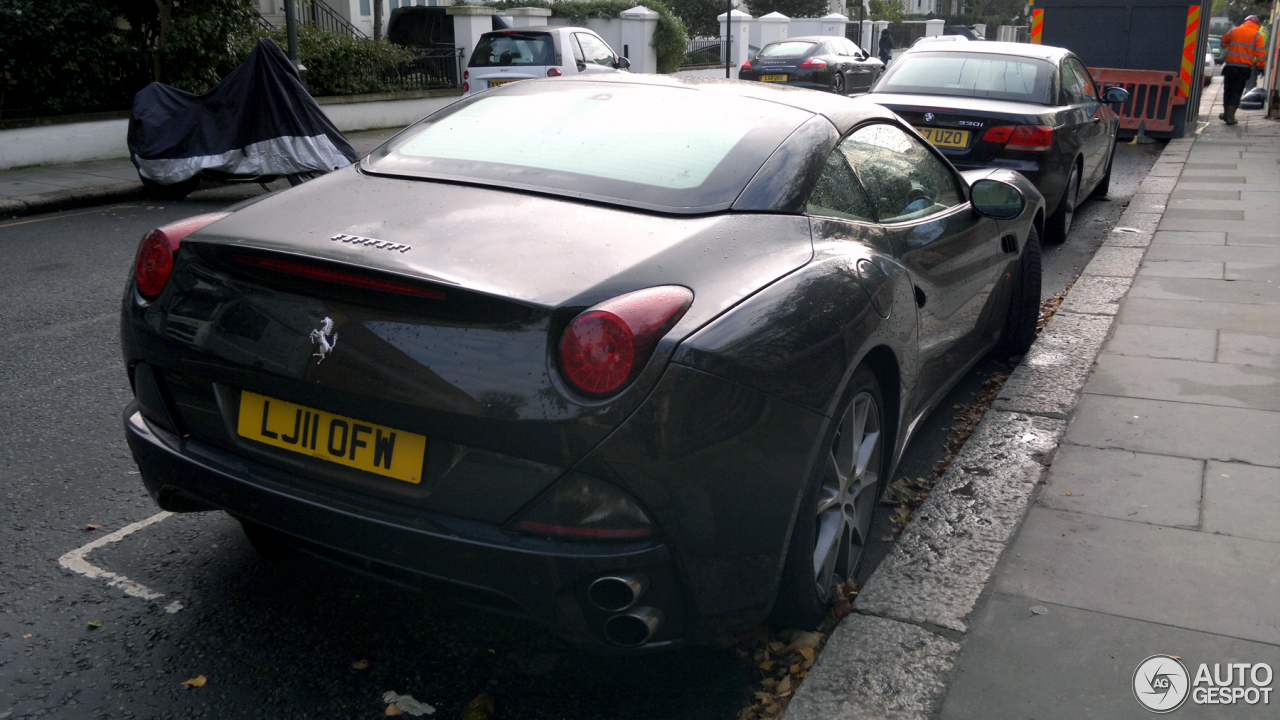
[
  {"x": 944, "y": 137},
  {"x": 336, "y": 438},
  {"x": 496, "y": 83},
  {"x": 773, "y": 78}
]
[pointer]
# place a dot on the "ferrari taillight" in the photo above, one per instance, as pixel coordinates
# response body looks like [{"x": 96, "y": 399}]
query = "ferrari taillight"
[
  {"x": 607, "y": 344},
  {"x": 154, "y": 262},
  {"x": 1024, "y": 138}
]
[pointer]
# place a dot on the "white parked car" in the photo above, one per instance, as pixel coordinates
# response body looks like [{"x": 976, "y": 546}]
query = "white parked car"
[
  {"x": 505, "y": 56},
  {"x": 1212, "y": 68}
]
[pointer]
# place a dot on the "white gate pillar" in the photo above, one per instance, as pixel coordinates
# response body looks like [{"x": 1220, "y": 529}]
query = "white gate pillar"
[{"x": 638, "y": 25}]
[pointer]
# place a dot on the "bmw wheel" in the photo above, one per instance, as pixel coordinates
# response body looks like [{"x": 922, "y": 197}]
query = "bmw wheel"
[{"x": 832, "y": 530}]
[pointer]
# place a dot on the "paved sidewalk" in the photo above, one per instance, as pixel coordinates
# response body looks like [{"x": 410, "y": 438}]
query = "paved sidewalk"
[
  {"x": 1158, "y": 528},
  {"x": 58, "y": 187}
]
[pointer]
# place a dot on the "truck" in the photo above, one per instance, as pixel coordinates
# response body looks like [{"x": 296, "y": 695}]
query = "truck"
[{"x": 1155, "y": 49}]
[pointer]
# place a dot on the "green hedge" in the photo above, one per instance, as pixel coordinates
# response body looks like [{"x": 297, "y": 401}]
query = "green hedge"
[
  {"x": 338, "y": 64},
  {"x": 668, "y": 37}
]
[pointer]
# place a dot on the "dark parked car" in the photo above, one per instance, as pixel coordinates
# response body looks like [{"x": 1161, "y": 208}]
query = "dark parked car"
[
  {"x": 820, "y": 62},
  {"x": 636, "y": 366},
  {"x": 1017, "y": 106},
  {"x": 426, "y": 28}
]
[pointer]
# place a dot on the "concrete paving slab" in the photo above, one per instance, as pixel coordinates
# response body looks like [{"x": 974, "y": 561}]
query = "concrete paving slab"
[
  {"x": 1182, "y": 237},
  {"x": 1173, "y": 169},
  {"x": 1157, "y": 185},
  {"x": 1242, "y": 501},
  {"x": 1183, "y": 288},
  {"x": 1184, "y": 194},
  {"x": 940, "y": 565},
  {"x": 1261, "y": 272},
  {"x": 1136, "y": 219},
  {"x": 1200, "y": 224},
  {"x": 1253, "y": 239},
  {"x": 1163, "y": 342},
  {"x": 1210, "y": 166},
  {"x": 1069, "y": 664},
  {"x": 1182, "y": 268},
  {"x": 1115, "y": 262},
  {"x": 1125, "y": 485},
  {"x": 1249, "y": 349},
  {"x": 1185, "y": 578},
  {"x": 1199, "y": 314},
  {"x": 872, "y": 668},
  {"x": 1214, "y": 179},
  {"x": 1159, "y": 427},
  {"x": 1187, "y": 381},
  {"x": 1234, "y": 253},
  {"x": 20, "y": 188},
  {"x": 1124, "y": 236}
]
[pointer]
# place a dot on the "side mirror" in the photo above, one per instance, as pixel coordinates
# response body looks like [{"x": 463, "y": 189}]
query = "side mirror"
[
  {"x": 622, "y": 63},
  {"x": 582, "y": 67},
  {"x": 1115, "y": 95},
  {"x": 996, "y": 199}
]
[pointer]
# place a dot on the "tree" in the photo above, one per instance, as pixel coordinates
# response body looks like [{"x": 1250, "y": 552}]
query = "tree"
[
  {"x": 190, "y": 40},
  {"x": 699, "y": 16},
  {"x": 790, "y": 8},
  {"x": 377, "y": 19},
  {"x": 890, "y": 10}
]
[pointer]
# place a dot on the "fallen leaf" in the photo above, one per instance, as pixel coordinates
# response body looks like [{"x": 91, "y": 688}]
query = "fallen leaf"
[
  {"x": 197, "y": 681},
  {"x": 767, "y": 665},
  {"x": 394, "y": 709},
  {"x": 807, "y": 653},
  {"x": 1039, "y": 610},
  {"x": 94, "y": 624},
  {"x": 360, "y": 665},
  {"x": 91, "y": 526},
  {"x": 24, "y": 637},
  {"x": 776, "y": 646},
  {"x": 1068, "y": 492},
  {"x": 785, "y": 685},
  {"x": 886, "y": 538},
  {"x": 480, "y": 708},
  {"x": 806, "y": 640}
]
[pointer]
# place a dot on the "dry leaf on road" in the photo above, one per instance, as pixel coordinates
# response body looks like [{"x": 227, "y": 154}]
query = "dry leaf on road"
[
  {"x": 480, "y": 708},
  {"x": 197, "y": 681},
  {"x": 360, "y": 665}
]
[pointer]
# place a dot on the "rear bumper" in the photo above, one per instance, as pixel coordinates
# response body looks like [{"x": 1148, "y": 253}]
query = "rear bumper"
[{"x": 479, "y": 563}]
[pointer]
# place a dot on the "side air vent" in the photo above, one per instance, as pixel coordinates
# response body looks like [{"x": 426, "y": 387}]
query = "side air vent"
[{"x": 1009, "y": 244}]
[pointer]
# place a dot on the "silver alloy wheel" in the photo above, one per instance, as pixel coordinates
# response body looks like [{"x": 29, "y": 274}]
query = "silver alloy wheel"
[
  {"x": 848, "y": 495},
  {"x": 1071, "y": 200}
]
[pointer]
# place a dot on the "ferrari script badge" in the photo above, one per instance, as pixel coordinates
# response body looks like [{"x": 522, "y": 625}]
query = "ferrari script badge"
[{"x": 321, "y": 338}]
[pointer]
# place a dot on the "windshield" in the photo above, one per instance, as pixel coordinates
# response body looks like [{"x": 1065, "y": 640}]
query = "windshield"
[
  {"x": 786, "y": 49},
  {"x": 503, "y": 49},
  {"x": 967, "y": 74},
  {"x": 662, "y": 148}
]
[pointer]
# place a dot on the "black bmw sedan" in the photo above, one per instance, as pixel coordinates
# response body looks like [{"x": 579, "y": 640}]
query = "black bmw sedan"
[
  {"x": 820, "y": 62},
  {"x": 1016, "y": 106},
  {"x": 635, "y": 367}
]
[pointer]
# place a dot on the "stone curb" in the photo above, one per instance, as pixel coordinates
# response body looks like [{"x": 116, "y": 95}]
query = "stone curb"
[
  {"x": 892, "y": 658},
  {"x": 70, "y": 199}
]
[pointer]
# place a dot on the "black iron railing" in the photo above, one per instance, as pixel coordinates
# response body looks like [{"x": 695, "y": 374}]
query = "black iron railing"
[
  {"x": 704, "y": 51},
  {"x": 319, "y": 14},
  {"x": 431, "y": 70}
]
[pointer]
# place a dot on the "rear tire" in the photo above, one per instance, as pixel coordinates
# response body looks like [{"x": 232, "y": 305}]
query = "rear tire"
[
  {"x": 834, "y": 523},
  {"x": 1020, "y": 321},
  {"x": 837, "y": 83},
  {"x": 176, "y": 191},
  {"x": 1059, "y": 223},
  {"x": 1104, "y": 186}
]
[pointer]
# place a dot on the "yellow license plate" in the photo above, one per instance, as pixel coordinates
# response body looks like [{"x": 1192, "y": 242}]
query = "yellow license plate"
[
  {"x": 943, "y": 137},
  {"x": 773, "y": 78},
  {"x": 496, "y": 83},
  {"x": 336, "y": 438}
]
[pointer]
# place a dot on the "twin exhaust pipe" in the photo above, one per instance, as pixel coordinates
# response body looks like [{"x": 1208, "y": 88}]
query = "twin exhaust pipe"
[{"x": 632, "y": 626}]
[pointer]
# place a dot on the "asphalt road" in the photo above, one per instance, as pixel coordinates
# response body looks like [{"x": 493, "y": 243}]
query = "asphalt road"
[{"x": 271, "y": 642}]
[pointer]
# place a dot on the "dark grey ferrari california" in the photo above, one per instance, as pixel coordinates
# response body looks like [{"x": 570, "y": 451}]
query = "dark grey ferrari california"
[{"x": 629, "y": 356}]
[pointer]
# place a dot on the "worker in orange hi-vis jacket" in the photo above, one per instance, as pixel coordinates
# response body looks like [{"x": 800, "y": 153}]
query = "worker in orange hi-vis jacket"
[{"x": 1244, "y": 47}]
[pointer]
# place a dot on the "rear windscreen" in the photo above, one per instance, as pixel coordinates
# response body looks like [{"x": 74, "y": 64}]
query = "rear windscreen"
[
  {"x": 786, "y": 49},
  {"x": 662, "y": 148},
  {"x": 504, "y": 49},
  {"x": 967, "y": 74}
]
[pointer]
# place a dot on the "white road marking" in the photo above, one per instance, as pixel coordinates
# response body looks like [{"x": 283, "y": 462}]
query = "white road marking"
[{"x": 75, "y": 562}]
